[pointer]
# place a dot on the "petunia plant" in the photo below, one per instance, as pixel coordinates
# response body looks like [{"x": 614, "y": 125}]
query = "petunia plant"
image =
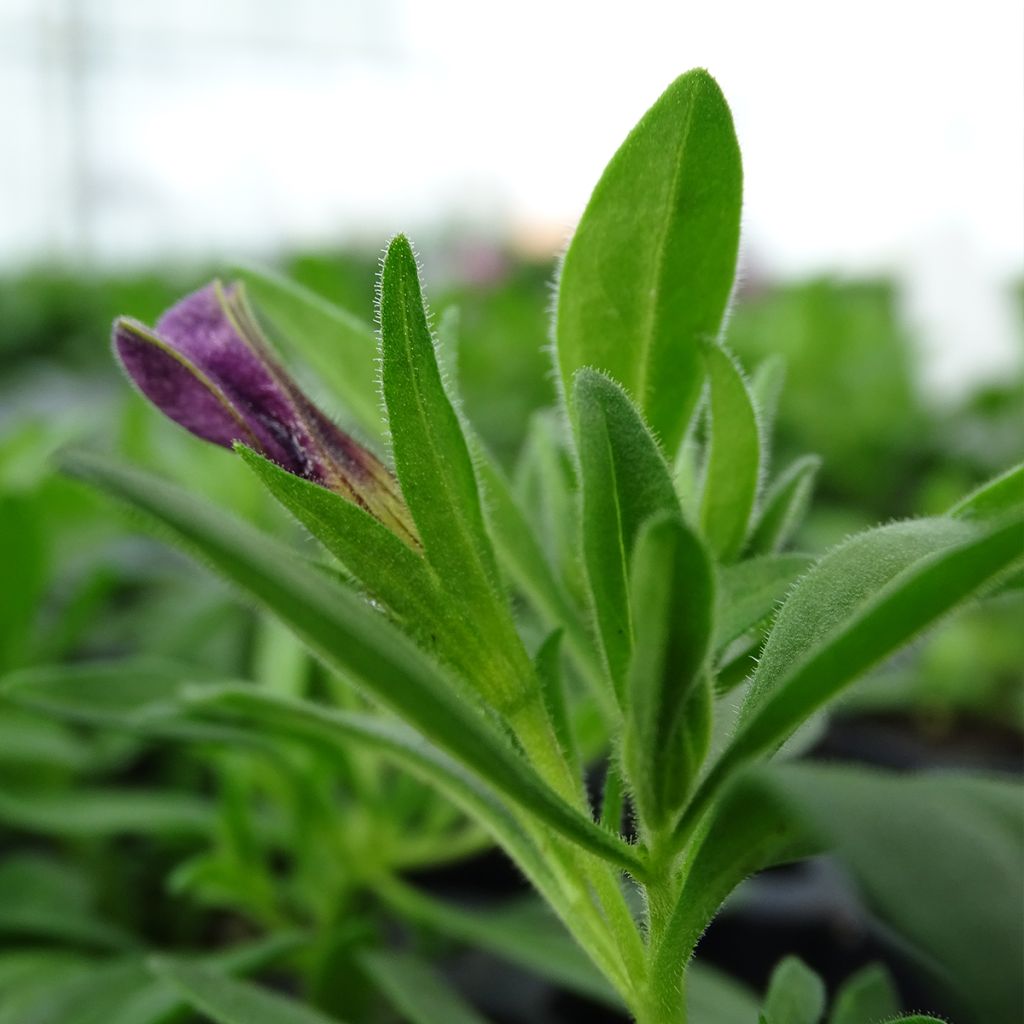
[{"x": 628, "y": 608}]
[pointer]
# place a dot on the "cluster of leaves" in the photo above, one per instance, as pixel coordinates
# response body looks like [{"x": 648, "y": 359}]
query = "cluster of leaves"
[{"x": 660, "y": 622}]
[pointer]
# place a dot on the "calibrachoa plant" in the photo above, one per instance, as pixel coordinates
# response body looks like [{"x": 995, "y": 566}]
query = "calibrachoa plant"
[{"x": 683, "y": 644}]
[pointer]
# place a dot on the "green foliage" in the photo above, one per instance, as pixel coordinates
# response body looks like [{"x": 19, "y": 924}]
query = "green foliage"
[
  {"x": 650, "y": 269},
  {"x": 796, "y": 995}
]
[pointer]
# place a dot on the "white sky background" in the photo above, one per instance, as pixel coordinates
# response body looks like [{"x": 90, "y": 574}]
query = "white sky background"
[{"x": 877, "y": 136}]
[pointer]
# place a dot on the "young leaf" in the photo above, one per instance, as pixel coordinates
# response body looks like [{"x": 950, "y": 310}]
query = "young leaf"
[
  {"x": 766, "y": 389},
  {"x": 625, "y": 481},
  {"x": 337, "y": 345},
  {"x": 796, "y": 995},
  {"x": 650, "y": 268},
  {"x": 784, "y": 507},
  {"x": 419, "y": 994},
  {"x": 858, "y": 605},
  {"x": 749, "y": 591},
  {"x": 869, "y": 997},
  {"x": 732, "y": 471},
  {"x": 1001, "y": 495},
  {"x": 545, "y": 483},
  {"x": 351, "y": 637},
  {"x": 227, "y": 1000},
  {"x": 436, "y": 472},
  {"x": 672, "y": 597}
]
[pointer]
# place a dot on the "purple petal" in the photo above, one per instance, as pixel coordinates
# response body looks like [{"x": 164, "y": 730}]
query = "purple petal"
[
  {"x": 177, "y": 387},
  {"x": 201, "y": 330}
]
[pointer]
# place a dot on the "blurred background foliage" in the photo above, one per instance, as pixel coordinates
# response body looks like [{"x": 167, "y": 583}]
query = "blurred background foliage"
[{"x": 82, "y": 584}]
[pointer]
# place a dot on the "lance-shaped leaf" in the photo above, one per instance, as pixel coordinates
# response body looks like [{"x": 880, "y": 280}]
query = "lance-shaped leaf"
[
  {"x": 420, "y": 994},
  {"x": 857, "y": 606},
  {"x": 649, "y": 270},
  {"x": 340, "y": 347},
  {"x": 208, "y": 368},
  {"x": 732, "y": 470},
  {"x": 784, "y": 507},
  {"x": 227, "y": 1000},
  {"x": 438, "y": 478},
  {"x": 339, "y": 626},
  {"x": 625, "y": 481},
  {"x": 672, "y": 598}
]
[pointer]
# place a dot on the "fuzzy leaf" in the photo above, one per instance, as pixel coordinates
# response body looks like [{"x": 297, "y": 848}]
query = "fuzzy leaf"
[
  {"x": 858, "y": 605},
  {"x": 732, "y": 469},
  {"x": 625, "y": 481},
  {"x": 650, "y": 268},
  {"x": 436, "y": 472},
  {"x": 672, "y": 597},
  {"x": 351, "y": 637}
]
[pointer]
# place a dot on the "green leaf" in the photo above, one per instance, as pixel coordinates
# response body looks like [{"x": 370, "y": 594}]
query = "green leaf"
[
  {"x": 796, "y": 995},
  {"x": 869, "y": 997},
  {"x": 785, "y": 505},
  {"x": 524, "y": 562},
  {"x": 548, "y": 663},
  {"x": 649, "y": 270},
  {"x": 545, "y": 483},
  {"x": 436, "y": 472},
  {"x": 91, "y": 813},
  {"x": 750, "y": 591},
  {"x": 858, "y": 605},
  {"x": 44, "y": 900},
  {"x": 158, "y": 1000},
  {"x": 386, "y": 567},
  {"x": 732, "y": 470},
  {"x": 416, "y": 991},
  {"x": 226, "y": 1000},
  {"x": 713, "y": 997},
  {"x": 672, "y": 597},
  {"x": 339, "y": 347},
  {"x": 353, "y": 638},
  {"x": 1001, "y": 495},
  {"x": 625, "y": 481},
  {"x": 524, "y": 932},
  {"x": 24, "y": 556},
  {"x": 938, "y": 857},
  {"x": 766, "y": 388}
]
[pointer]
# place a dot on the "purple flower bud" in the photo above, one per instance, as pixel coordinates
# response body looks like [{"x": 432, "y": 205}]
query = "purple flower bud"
[{"x": 208, "y": 367}]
